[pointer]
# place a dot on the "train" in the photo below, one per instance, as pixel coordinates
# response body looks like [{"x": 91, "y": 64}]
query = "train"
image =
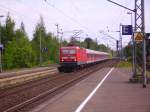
[{"x": 75, "y": 57}]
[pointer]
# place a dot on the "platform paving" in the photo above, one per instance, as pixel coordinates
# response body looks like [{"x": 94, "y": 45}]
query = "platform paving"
[{"x": 115, "y": 94}]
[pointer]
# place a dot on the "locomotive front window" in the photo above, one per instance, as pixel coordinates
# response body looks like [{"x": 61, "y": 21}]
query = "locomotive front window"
[{"x": 66, "y": 51}]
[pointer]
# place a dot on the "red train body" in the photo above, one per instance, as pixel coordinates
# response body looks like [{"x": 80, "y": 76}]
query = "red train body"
[{"x": 72, "y": 57}]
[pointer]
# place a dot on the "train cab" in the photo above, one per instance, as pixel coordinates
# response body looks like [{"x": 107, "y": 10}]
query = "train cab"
[
  {"x": 68, "y": 58},
  {"x": 68, "y": 54}
]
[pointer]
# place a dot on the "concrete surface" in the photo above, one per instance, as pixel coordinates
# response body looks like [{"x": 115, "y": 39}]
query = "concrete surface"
[{"x": 116, "y": 94}]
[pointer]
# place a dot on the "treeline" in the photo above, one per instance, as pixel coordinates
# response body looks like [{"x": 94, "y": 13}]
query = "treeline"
[
  {"x": 20, "y": 52},
  {"x": 89, "y": 43}
]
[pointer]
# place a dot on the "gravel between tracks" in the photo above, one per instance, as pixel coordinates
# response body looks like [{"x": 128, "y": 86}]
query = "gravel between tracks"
[{"x": 14, "y": 96}]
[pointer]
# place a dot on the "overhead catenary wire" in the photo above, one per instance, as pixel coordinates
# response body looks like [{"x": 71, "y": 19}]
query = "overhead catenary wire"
[
  {"x": 67, "y": 16},
  {"x": 14, "y": 12},
  {"x": 60, "y": 11},
  {"x": 74, "y": 6},
  {"x": 20, "y": 16},
  {"x": 38, "y": 11},
  {"x": 104, "y": 33}
]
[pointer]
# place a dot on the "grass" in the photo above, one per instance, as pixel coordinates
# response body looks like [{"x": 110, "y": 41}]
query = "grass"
[
  {"x": 148, "y": 74},
  {"x": 127, "y": 64},
  {"x": 124, "y": 64},
  {"x": 48, "y": 63}
]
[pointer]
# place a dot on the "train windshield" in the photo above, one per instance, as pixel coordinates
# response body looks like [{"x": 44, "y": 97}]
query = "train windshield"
[{"x": 68, "y": 51}]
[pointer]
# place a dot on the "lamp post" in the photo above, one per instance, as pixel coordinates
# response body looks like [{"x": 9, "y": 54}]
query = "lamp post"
[
  {"x": 131, "y": 17},
  {"x": 120, "y": 35},
  {"x": 1, "y": 47},
  {"x": 133, "y": 48}
]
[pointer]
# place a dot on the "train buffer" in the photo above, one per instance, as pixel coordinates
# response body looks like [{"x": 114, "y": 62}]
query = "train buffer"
[{"x": 114, "y": 94}]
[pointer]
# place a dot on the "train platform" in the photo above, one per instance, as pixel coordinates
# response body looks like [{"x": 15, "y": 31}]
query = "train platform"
[{"x": 107, "y": 90}]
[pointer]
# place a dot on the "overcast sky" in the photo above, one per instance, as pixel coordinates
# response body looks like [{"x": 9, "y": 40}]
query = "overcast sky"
[{"x": 91, "y": 16}]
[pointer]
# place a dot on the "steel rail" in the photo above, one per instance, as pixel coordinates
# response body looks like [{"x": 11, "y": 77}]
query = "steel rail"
[{"x": 53, "y": 90}]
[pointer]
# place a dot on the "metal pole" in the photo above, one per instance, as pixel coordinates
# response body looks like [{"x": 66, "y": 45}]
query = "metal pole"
[
  {"x": 96, "y": 44},
  {"x": 40, "y": 49},
  {"x": 117, "y": 44},
  {"x": 133, "y": 49},
  {"x": 144, "y": 63},
  {"x": 0, "y": 53},
  {"x": 132, "y": 36},
  {"x": 1, "y": 69},
  {"x": 144, "y": 46},
  {"x": 133, "y": 54},
  {"x": 57, "y": 30},
  {"x": 61, "y": 37},
  {"x": 121, "y": 54},
  {"x": 57, "y": 27},
  {"x": 134, "y": 43}
]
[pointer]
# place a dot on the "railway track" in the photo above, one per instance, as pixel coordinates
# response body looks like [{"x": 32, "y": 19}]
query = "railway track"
[
  {"x": 25, "y": 76},
  {"x": 25, "y": 71},
  {"x": 31, "y": 94}
]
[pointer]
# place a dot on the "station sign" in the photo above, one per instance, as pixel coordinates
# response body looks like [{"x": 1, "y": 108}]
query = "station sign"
[
  {"x": 45, "y": 49},
  {"x": 1, "y": 46},
  {"x": 127, "y": 30}
]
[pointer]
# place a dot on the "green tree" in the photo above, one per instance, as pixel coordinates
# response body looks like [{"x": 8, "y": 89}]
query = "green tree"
[
  {"x": 8, "y": 30},
  {"x": 103, "y": 48},
  {"x": 88, "y": 42},
  {"x": 49, "y": 44},
  {"x": 18, "y": 52},
  {"x": 39, "y": 39}
]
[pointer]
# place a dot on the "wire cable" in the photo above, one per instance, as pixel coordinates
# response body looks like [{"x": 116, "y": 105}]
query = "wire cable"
[{"x": 64, "y": 14}]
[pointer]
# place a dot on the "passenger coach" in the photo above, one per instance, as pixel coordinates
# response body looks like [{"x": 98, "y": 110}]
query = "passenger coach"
[{"x": 72, "y": 57}]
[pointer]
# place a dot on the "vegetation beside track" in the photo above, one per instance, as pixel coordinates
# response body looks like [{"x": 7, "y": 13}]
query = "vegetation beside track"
[
  {"x": 148, "y": 74},
  {"x": 125, "y": 64}
]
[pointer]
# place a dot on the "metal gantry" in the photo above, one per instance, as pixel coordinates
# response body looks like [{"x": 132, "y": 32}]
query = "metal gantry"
[
  {"x": 139, "y": 16},
  {"x": 139, "y": 27}
]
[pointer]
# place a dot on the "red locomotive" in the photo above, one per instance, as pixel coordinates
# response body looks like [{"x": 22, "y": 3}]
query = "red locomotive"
[{"x": 72, "y": 57}]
